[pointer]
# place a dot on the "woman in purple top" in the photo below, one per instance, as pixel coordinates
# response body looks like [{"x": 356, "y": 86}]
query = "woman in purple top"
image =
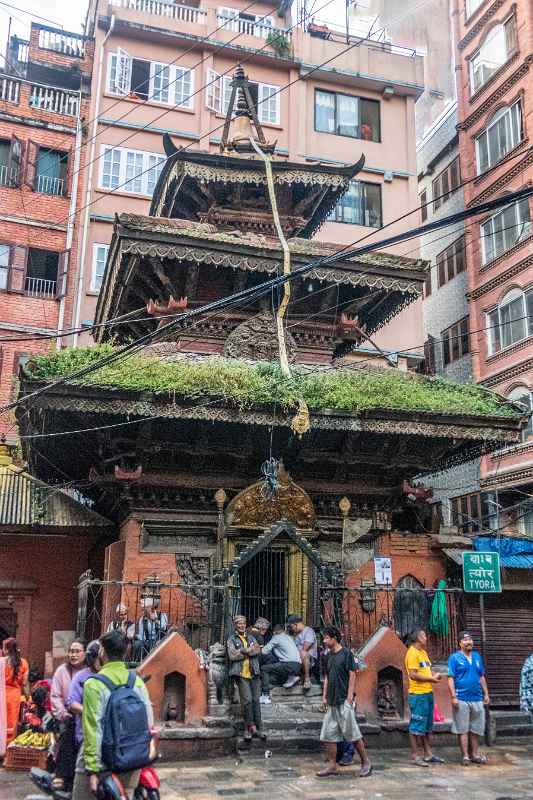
[{"x": 74, "y": 702}]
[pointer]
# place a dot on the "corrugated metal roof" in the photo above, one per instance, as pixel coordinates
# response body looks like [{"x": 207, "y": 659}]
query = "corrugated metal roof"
[
  {"x": 24, "y": 500},
  {"x": 517, "y": 562}
]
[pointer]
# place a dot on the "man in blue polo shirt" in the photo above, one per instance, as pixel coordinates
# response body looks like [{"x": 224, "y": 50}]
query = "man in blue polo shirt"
[{"x": 470, "y": 695}]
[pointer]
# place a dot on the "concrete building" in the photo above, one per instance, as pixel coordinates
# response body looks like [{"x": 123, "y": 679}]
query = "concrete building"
[
  {"x": 495, "y": 110},
  {"x": 161, "y": 66},
  {"x": 43, "y": 97}
]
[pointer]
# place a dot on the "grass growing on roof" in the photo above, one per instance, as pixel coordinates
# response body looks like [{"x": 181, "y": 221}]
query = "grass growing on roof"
[{"x": 246, "y": 384}]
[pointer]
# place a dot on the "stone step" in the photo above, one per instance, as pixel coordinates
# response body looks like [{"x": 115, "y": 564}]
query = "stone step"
[{"x": 505, "y": 718}]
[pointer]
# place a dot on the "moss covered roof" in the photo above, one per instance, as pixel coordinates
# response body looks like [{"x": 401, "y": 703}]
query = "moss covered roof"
[{"x": 246, "y": 384}]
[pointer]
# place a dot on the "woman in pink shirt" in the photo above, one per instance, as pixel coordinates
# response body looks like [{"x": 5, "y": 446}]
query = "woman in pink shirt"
[{"x": 66, "y": 749}]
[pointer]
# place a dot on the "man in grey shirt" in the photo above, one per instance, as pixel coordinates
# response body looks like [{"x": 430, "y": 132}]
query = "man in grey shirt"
[
  {"x": 286, "y": 671},
  {"x": 305, "y": 639}
]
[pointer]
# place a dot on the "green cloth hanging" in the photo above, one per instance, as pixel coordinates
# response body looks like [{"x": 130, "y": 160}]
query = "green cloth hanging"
[{"x": 438, "y": 620}]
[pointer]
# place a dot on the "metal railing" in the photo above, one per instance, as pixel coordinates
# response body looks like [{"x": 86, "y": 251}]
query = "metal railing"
[
  {"x": 250, "y": 28},
  {"x": 39, "y": 287},
  {"x": 162, "y": 8},
  {"x": 9, "y": 89},
  {"x": 50, "y": 185},
  {"x": 68, "y": 44},
  {"x": 8, "y": 175},
  {"x": 57, "y": 101}
]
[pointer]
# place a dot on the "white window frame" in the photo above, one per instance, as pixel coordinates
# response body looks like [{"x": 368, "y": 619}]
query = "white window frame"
[
  {"x": 476, "y": 60},
  {"x": 514, "y": 130},
  {"x": 471, "y": 6},
  {"x": 218, "y": 93},
  {"x": 167, "y": 82},
  {"x": 489, "y": 230},
  {"x": 132, "y": 179},
  {"x": 119, "y": 73},
  {"x": 95, "y": 283},
  {"x": 496, "y": 323}
]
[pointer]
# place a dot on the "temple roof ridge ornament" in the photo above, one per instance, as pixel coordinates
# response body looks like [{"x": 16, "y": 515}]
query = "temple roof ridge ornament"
[{"x": 245, "y": 117}]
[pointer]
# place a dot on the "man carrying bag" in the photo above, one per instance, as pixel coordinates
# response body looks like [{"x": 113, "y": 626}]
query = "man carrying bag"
[{"x": 117, "y": 718}]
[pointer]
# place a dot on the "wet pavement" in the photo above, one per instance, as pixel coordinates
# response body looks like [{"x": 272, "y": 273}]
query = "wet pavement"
[{"x": 507, "y": 776}]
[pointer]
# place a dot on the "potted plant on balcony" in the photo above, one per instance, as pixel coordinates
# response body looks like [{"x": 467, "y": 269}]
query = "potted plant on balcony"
[{"x": 279, "y": 42}]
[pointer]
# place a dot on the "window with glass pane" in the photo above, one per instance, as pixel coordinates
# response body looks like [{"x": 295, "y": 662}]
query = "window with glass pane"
[
  {"x": 4, "y": 265},
  {"x": 183, "y": 88},
  {"x": 505, "y": 229},
  {"x": 521, "y": 394},
  {"x": 111, "y": 168},
  {"x": 361, "y": 205},
  {"x": 422, "y": 202},
  {"x": 451, "y": 261},
  {"x": 347, "y": 115},
  {"x": 268, "y": 103},
  {"x": 134, "y": 170},
  {"x": 445, "y": 184},
  {"x": 160, "y": 82},
  {"x": 512, "y": 322},
  {"x": 503, "y": 133},
  {"x": 455, "y": 341},
  {"x": 100, "y": 252},
  {"x": 493, "y": 331},
  {"x": 155, "y": 164},
  {"x": 325, "y": 111},
  {"x": 498, "y": 46}
]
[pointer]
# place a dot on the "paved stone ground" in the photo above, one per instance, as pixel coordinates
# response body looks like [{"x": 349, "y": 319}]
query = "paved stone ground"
[{"x": 508, "y": 776}]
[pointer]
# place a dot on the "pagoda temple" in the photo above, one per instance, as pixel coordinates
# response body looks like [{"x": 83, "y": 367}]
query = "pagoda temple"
[{"x": 217, "y": 467}]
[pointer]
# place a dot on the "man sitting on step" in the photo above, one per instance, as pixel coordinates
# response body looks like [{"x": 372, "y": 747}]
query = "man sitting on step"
[{"x": 286, "y": 670}]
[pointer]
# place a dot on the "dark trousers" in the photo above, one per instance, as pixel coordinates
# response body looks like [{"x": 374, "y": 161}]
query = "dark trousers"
[
  {"x": 249, "y": 694},
  {"x": 278, "y": 673},
  {"x": 67, "y": 752}
]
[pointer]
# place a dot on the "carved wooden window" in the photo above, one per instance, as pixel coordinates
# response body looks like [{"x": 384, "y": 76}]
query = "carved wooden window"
[
  {"x": 498, "y": 46},
  {"x": 511, "y": 321},
  {"x": 451, "y": 261},
  {"x": 505, "y": 229},
  {"x": 455, "y": 341},
  {"x": 502, "y": 134}
]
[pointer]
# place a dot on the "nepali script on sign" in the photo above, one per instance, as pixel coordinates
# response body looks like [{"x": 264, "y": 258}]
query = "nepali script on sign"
[{"x": 481, "y": 572}]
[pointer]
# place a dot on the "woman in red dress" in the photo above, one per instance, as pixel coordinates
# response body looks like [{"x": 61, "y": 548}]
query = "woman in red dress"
[{"x": 16, "y": 685}]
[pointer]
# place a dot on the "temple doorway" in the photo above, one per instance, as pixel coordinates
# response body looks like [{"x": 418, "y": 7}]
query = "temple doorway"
[{"x": 264, "y": 586}]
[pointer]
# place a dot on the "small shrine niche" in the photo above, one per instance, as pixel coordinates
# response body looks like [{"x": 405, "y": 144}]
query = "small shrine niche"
[
  {"x": 173, "y": 706},
  {"x": 389, "y": 695}
]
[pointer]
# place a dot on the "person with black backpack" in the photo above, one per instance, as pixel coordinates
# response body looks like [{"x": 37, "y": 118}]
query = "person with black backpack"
[{"x": 117, "y": 718}]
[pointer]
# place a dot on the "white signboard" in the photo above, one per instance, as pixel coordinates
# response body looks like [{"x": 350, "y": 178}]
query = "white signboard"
[{"x": 383, "y": 571}]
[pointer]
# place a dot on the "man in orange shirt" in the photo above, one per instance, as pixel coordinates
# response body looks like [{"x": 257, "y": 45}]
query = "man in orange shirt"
[{"x": 421, "y": 701}]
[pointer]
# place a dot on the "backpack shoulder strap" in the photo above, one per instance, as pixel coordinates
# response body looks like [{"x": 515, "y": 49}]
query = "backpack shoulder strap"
[
  {"x": 132, "y": 677},
  {"x": 106, "y": 681}
]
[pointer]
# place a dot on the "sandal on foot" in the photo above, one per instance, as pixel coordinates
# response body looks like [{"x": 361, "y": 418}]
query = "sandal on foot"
[
  {"x": 434, "y": 760},
  {"x": 366, "y": 771},
  {"x": 480, "y": 759},
  {"x": 419, "y": 762},
  {"x": 324, "y": 773},
  {"x": 466, "y": 761}
]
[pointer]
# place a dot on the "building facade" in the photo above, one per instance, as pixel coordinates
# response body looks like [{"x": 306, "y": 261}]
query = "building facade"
[
  {"x": 43, "y": 98},
  {"x": 495, "y": 110},
  {"x": 167, "y": 67}
]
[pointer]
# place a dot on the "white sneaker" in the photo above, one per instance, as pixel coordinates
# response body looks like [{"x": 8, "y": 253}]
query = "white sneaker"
[
  {"x": 265, "y": 700},
  {"x": 291, "y": 682}
]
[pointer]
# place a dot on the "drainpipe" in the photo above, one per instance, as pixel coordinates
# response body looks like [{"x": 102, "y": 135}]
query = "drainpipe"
[
  {"x": 88, "y": 193},
  {"x": 71, "y": 221}
]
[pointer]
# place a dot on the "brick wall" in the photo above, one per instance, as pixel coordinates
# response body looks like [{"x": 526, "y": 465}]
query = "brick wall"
[{"x": 411, "y": 554}]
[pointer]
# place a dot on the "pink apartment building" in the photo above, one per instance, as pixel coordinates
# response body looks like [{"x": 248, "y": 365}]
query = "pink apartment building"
[
  {"x": 162, "y": 66},
  {"x": 495, "y": 87}
]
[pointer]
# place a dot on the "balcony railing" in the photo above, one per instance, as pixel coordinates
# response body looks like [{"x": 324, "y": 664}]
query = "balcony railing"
[
  {"x": 9, "y": 89},
  {"x": 8, "y": 175},
  {"x": 162, "y": 8},
  {"x": 40, "y": 287},
  {"x": 57, "y": 101},
  {"x": 68, "y": 44},
  {"x": 49, "y": 185},
  {"x": 250, "y": 28}
]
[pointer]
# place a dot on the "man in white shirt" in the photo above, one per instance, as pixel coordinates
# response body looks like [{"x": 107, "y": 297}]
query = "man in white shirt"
[
  {"x": 305, "y": 639},
  {"x": 286, "y": 670}
]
